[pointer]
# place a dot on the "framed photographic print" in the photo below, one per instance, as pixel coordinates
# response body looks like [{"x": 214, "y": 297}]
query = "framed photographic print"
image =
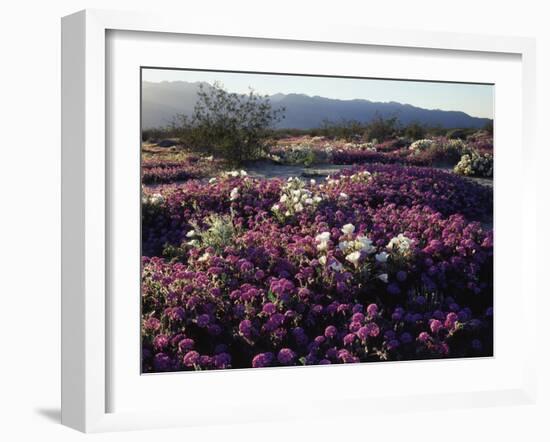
[{"x": 252, "y": 213}]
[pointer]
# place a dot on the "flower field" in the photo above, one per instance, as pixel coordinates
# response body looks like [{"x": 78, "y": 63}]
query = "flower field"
[
  {"x": 472, "y": 157},
  {"x": 386, "y": 261}
]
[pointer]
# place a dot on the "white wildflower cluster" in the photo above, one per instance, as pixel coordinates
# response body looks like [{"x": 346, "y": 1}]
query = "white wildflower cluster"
[
  {"x": 363, "y": 176},
  {"x": 299, "y": 154},
  {"x": 421, "y": 145},
  {"x": 322, "y": 241},
  {"x": 154, "y": 199},
  {"x": 353, "y": 247},
  {"x": 361, "y": 146},
  {"x": 328, "y": 148},
  {"x": 193, "y": 235},
  {"x": 456, "y": 144},
  {"x": 330, "y": 182},
  {"x": 204, "y": 257},
  {"x": 400, "y": 245},
  {"x": 322, "y": 246},
  {"x": 360, "y": 177},
  {"x": 234, "y": 174},
  {"x": 295, "y": 198},
  {"x": 475, "y": 164},
  {"x": 234, "y": 195}
]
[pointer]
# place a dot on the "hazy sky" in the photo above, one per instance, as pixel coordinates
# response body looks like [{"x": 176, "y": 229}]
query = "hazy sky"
[{"x": 474, "y": 99}]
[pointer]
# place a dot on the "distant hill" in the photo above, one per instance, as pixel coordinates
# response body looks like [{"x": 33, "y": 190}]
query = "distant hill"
[{"x": 161, "y": 102}]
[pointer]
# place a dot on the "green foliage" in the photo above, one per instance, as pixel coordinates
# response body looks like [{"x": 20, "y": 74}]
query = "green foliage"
[
  {"x": 299, "y": 155},
  {"x": 345, "y": 129},
  {"x": 155, "y": 134},
  {"x": 220, "y": 233},
  {"x": 382, "y": 129},
  {"x": 415, "y": 131},
  {"x": 461, "y": 133},
  {"x": 233, "y": 126}
]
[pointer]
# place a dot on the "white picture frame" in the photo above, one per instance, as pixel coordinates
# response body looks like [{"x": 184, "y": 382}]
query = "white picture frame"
[{"x": 85, "y": 215}]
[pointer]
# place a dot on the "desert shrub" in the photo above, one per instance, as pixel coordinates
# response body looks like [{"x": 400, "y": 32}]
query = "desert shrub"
[
  {"x": 382, "y": 129},
  {"x": 421, "y": 145},
  {"x": 475, "y": 164},
  {"x": 393, "y": 145},
  {"x": 462, "y": 133},
  {"x": 438, "y": 152},
  {"x": 415, "y": 131},
  {"x": 153, "y": 135},
  {"x": 349, "y": 130},
  {"x": 481, "y": 141},
  {"x": 233, "y": 126},
  {"x": 301, "y": 154}
]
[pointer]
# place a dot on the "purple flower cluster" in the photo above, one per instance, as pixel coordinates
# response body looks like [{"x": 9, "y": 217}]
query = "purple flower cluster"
[
  {"x": 169, "y": 171},
  {"x": 277, "y": 296}
]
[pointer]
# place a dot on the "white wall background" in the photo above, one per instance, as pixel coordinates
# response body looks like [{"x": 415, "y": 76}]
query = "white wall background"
[{"x": 30, "y": 213}]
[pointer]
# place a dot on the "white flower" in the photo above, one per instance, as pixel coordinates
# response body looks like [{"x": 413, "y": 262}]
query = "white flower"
[
  {"x": 234, "y": 194},
  {"x": 343, "y": 246},
  {"x": 365, "y": 244},
  {"x": 243, "y": 173},
  {"x": 298, "y": 207},
  {"x": 322, "y": 241},
  {"x": 210, "y": 158},
  {"x": 400, "y": 244},
  {"x": 323, "y": 237},
  {"x": 275, "y": 207},
  {"x": 383, "y": 277},
  {"x": 156, "y": 198},
  {"x": 322, "y": 246},
  {"x": 212, "y": 180},
  {"x": 353, "y": 258},
  {"x": 283, "y": 198},
  {"x": 191, "y": 234},
  {"x": 193, "y": 242},
  {"x": 348, "y": 229},
  {"x": 309, "y": 201},
  {"x": 323, "y": 260},
  {"x": 204, "y": 257},
  {"x": 317, "y": 199},
  {"x": 312, "y": 182},
  {"x": 381, "y": 257},
  {"x": 343, "y": 196}
]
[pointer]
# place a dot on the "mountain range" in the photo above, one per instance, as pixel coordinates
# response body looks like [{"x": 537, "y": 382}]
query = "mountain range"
[{"x": 161, "y": 102}]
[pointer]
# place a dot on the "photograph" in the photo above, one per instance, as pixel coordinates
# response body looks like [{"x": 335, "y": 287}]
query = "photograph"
[{"x": 294, "y": 220}]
